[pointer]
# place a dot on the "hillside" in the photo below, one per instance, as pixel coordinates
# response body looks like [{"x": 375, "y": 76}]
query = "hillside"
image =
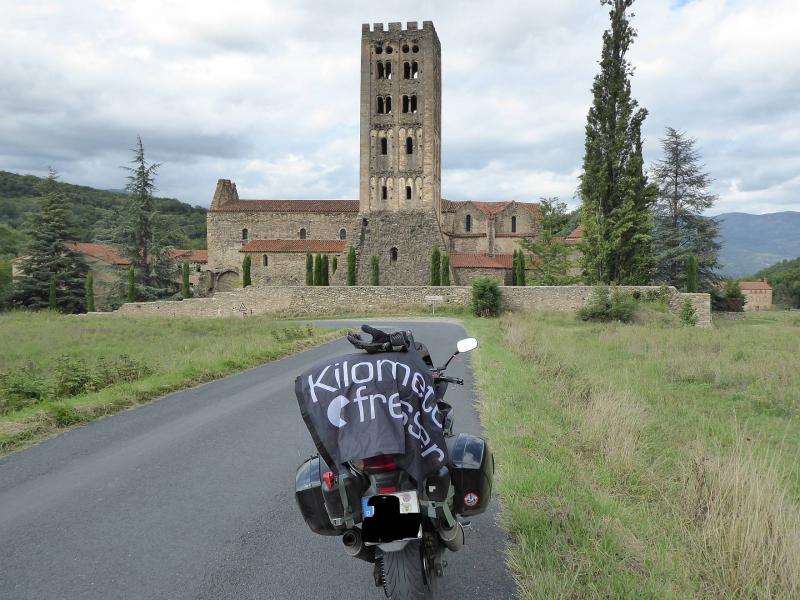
[
  {"x": 89, "y": 206},
  {"x": 784, "y": 277},
  {"x": 754, "y": 242}
]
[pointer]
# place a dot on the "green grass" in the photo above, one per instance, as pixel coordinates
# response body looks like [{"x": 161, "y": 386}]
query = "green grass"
[
  {"x": 645, "y": 460},
  {"x": 57, "y": 371}
]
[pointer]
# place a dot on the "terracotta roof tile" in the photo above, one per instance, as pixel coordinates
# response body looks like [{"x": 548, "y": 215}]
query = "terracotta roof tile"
[
  {"x": 103, "y": 252},
  {"x": 754, "y": 285},
  {"x": 470, "y": 260},
  {"x": 489, "y": 208},
  {"x": 195, "y": 256},
  {"x": 453, "y": 234},
  {"x": 318, "y": 206},
  {"x": 335, "y": 246}
]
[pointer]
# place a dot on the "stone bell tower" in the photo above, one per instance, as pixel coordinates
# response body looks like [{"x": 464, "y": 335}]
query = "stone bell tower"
[{"x": 400, "y": 168}]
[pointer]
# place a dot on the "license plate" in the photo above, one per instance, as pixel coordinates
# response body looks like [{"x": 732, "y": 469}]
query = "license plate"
[{"x": 407, "y": 503}]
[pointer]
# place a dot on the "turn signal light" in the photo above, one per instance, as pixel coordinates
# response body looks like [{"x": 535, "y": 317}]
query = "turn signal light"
[
  {"x": 380, "y": 464},
  {"x": 328, "y": 478}
]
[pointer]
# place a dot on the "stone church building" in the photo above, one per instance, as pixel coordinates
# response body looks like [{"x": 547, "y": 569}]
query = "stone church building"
[{"x": 399, "y": 215}]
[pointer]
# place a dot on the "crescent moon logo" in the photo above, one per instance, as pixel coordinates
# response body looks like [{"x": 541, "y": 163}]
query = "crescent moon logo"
[{"x": 335, "y": 411}]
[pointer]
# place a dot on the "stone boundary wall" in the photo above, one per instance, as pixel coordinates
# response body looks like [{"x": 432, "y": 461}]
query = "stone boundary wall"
[{"x": 319, "y": 301}]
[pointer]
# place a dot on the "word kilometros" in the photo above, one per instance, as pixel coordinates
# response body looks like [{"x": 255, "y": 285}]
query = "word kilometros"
[{"x": 365, "y": 405}]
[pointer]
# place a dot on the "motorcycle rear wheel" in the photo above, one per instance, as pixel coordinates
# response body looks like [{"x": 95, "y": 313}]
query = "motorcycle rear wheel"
[{"x": 403, "y": 574}]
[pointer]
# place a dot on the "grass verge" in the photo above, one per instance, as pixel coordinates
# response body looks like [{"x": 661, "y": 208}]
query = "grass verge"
[
  {"x": 60, "y": 371},
  {"x": 645, "y": 460}
]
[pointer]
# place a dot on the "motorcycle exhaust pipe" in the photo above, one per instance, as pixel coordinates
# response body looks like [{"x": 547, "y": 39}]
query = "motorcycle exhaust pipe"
[
  {"x": 452, "y": 538},
  {"x": 354, "y": 546}
]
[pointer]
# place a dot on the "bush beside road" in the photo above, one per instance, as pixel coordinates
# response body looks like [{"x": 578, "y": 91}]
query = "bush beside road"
[
  {"x": 57, "y": 371},
  {"x": 645, "y": 460}
]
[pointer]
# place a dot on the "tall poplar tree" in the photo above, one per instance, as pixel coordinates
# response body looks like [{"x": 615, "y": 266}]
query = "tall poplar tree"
[
  {"x": 53, "y": 275},
  {"x": 616, "y": 197},
  {"x": 681, "y": 230}
]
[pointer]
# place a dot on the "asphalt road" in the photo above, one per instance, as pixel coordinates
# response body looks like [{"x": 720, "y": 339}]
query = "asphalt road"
[{"x": 191, "y": 496}]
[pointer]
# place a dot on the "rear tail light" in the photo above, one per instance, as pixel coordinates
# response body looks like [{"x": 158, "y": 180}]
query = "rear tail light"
[
  {"x": 379, "y": 464},
  {"x": 329, "y": 479}
]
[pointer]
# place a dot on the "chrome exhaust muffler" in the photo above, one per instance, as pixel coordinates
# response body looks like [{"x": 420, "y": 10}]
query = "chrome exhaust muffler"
[
  {"x": 354, "y": 545},
  {"x": 453, "y": 537}
]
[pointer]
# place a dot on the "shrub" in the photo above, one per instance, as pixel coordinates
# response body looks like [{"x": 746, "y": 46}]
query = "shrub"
[
  {"x": 72, "y": 377},
  {"x": 605, "y": 306},
  {"x": 64, "y": 415},
  {"x": 486, "y": 298},
  {"x": 688, "y": 314},
  {"x": 20, "y": 388}
]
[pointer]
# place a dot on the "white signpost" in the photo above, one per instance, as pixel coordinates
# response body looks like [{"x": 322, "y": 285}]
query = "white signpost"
[{"x": 433, "y": 300}]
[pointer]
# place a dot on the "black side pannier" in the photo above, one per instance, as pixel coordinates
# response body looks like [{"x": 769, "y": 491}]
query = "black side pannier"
[
  {"x": 472, "y": 470},
  {"x": 308, "y": 494}
]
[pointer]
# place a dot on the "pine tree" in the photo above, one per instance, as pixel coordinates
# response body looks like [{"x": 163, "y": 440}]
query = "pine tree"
[
  {"x": 325, "y": 270},
  {"x": 376, "y": 273},
  {"x": 131, "y": 295},
  {"x": 186, "y": 291},
  {"x": 51, "y": 261},
  {"x": 351, "y": 266},
  {"x": 318, "y": 269},
  {"x": 247, "y": 264},
  {"x": 444, "y": 274},
  {"x": 145, "y": 238},
  {"x": 435, "y": 266},
  {"x": 550, "y": 262},
  {"x": 616, "y": 197},
  {"x": 52, "y": 302},
  {"x": 681, "y": 229},
  {"x": 692, "y": 274},
  {"x": 309, "y": 269},
  {"x": 90, "y": 292}
]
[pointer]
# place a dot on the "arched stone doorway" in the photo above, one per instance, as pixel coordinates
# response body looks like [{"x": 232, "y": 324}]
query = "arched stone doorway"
[{"x": 227, "y": 282}]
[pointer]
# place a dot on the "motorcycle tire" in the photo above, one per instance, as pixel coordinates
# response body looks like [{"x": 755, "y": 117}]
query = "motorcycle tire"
[{"x": 403, "y": 577}]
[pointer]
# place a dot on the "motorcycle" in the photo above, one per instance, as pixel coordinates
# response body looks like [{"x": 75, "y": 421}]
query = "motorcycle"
[{"x": 384, "y": 515}]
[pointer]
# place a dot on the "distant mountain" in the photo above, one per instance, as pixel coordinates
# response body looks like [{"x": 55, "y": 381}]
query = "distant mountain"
[
  {"x": 89, "y": 207},
  {"x": 755, "y": 242}
]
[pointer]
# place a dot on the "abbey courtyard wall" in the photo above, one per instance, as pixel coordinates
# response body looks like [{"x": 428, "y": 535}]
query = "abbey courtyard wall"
[{"x": 305, "y": 301}]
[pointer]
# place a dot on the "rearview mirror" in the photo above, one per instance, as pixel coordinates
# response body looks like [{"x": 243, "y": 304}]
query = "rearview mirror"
[{"x": 467, "y": 345}]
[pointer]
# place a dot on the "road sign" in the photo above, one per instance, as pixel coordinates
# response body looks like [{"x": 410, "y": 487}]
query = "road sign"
[{"x": 433, "y": 300}]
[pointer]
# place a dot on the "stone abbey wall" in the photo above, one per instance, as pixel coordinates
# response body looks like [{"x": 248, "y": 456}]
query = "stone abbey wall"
[{"x": 321, "y": 301}]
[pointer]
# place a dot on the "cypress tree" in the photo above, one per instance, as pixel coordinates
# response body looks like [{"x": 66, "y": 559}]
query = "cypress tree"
[
  {"x": 515, "y": 268},
  {"x": 445, "y": 269},
  {"x": 309, "y": 269},
  {"x": 616, "y": 197},
  {"x": 131, "y": 284},
  {"x": 325, "y": 272},
  {"x": 186, "y": 291},
  {"x": 318, "y": 269},
  {"x": 247, "y": 263},
  {"x": 334, "y": 265},
  {"x": 351, "y": 266},
  {"x": 435, "y": 267},
  {"x": 376, "y": 273},
  {"x": 52, "y": 304},
  {"x": 51, "y": 258},
  {"x": 89, "y": 292},
  {"x": 692, "y": 274},
  {"x": 521, "y": 268}
]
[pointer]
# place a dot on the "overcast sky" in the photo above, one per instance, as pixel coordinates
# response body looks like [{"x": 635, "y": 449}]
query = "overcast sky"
[{"x": 266, "y": 92}]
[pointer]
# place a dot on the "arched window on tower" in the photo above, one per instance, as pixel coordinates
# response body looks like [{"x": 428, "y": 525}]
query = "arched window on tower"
[
  {"x": 405, "y": 104},
  {"x": 266, "y": 261},
  {"x": 513, "y": 224},
  {"x": 408, "y": 192},
  {"x": 414, "y": 103},
  {"x": 406, "y": 70},
  {"x": 380, "y": 105},
  {"x": 343, "y": 234},
  {"x": 388, "y": 70},
  {"x": 393, "y": 254},
  {"x": 384, "y": 146},
  {"x": 409, "y": 145},
  {"x": 468, "y": 223},
  {"x": 303, "y": 233},
  {"x": 384, "y": 192},
  {"x": 380, "y": 70},
  {"x": 388, "y": 104},
  {"x": 244, "y": 235},
  {"x": 414, "y": 70}
]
